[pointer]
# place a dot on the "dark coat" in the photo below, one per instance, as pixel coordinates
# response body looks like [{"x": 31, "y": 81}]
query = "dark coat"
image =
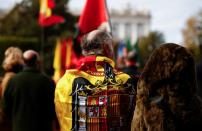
[
  {"x": 133, "y": 73},
  {"x": 199, "y": 78},
  {"x": 131, "y": 70},
  {"x": 29, "y": 101}
]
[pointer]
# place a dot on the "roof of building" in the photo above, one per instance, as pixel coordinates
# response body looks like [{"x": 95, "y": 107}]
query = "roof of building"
[{"x": 130, "y": 13}]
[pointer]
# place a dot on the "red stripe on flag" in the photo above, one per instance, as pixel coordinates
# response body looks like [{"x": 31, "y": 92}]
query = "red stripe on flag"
[
  {"x": 48, "y": 21},
  {"x": 93, "y": 15}
]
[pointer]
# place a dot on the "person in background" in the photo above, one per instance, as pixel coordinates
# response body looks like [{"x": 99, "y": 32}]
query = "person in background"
[
  {"x": 29, "y": 97},
  {"x": 167, "y": 92},
  {"x": 12, "y": 64},
  {"x": 95, "y": 96},
  {"x": 199, "y": 77},
  {"x": 131, "y": 66}
]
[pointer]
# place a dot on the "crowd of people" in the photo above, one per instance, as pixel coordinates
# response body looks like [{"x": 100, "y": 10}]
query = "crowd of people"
[{"x": 98, "y": 97}]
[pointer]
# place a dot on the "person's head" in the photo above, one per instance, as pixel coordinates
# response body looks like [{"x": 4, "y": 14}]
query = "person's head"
[
  {"x": 97, "y": 42},
  {"x": 167, "y": 88},
  {"x": 13, "y": 60},
  {"x": 171, "y": 64},
  {"x": 131, "y": 58},
  {"x": 31, "y": 58}
]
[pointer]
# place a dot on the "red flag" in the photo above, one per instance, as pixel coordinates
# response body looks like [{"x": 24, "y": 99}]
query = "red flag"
[
  {"x": 94, "y": 16},
  {"x": 46, "y": 18}
]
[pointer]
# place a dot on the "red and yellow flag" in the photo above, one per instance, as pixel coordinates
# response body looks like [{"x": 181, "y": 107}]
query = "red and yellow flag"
[
  {"x": 64, "y": 58},
  {"x": 94, "y": 16},
  {"x": 46, "y": 18}
]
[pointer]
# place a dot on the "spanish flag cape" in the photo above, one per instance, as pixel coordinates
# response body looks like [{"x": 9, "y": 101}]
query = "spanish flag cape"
[{"x": 94, "y": 97}]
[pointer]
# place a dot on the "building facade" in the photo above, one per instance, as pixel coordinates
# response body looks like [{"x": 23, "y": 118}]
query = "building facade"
[{"x": 130, "y": 24}]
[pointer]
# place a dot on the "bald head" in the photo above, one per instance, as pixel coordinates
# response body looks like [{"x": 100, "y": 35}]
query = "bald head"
[
  {"x": 31, "y": 57},
  {"x": 97, "y": 42}
]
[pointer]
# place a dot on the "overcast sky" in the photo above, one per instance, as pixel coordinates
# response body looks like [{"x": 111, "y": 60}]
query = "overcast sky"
[{"x": 168, "y": 16}]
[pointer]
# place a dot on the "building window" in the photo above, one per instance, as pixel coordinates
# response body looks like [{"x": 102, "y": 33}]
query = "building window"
[
  {"x": 115, "y": 30},
  {"x": 140, "y": 29},
  {"x": 128, "y": 30}
]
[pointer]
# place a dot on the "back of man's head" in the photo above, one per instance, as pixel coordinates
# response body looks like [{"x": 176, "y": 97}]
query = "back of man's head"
[
  {"x": 31, "y": 58},
  {"x": 97, "y": 42},
  {"x": 132, "y": 56}
]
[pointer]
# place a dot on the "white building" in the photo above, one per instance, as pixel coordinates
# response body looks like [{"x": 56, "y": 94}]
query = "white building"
[{"x": 130, "y": 24}]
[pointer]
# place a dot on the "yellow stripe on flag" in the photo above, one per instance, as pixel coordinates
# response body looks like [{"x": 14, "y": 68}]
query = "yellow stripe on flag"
[
  {"x": 44, "y": 9},
  {"x": 57, "y": 61},
  {"x": 68, "y": 53}
]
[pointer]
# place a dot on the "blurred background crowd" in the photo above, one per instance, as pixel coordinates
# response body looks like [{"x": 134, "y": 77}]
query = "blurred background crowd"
[{"x": 54, "y": 29}]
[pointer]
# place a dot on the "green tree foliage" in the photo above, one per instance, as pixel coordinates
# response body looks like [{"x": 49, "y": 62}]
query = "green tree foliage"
[
  {"x": 192, "y": 35},
  {"x": 194, "y": 49},
  {"x": 148, "y": 43},
  {"x": 19, "y": 22}
]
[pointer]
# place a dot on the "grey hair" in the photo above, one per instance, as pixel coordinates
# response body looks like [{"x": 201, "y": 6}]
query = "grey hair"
[{"x": 93, "y": 42}]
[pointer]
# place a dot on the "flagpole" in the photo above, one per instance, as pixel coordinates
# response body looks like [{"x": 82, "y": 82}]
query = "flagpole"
[
  {"x": 42, "y": 48},
  {"x": 110, "y": 23}
]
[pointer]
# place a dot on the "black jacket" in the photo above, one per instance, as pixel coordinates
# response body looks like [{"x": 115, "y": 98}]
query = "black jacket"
[{"x": 29, "y": 101}]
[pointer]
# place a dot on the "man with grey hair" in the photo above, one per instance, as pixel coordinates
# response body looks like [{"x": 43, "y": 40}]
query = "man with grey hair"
[
  {"x": 98, "y": 43},
  {"x": 95, "y": 96},
  {"x": 29, "y": 97}
]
